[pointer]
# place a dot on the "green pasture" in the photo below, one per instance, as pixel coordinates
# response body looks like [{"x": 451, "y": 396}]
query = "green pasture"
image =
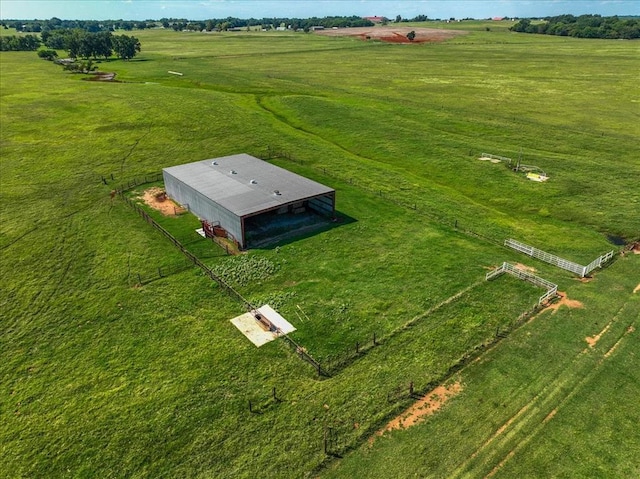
[
  {"x": 105, "y": 378},
  {"x": 540, "y": 404}
]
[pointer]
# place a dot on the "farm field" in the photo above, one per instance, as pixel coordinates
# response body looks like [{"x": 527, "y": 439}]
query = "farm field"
[{"x": 105, "y": 377}]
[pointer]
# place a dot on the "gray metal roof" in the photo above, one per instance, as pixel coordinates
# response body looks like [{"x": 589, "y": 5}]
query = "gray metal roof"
[{"x": 246, "y": 185}]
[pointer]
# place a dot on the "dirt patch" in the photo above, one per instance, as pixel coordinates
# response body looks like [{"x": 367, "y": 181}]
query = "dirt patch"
[
  {"x": 394, "y": 34},
  {"x": 593, "y": 340},
  {"x": 586, "y": 279},
  {"x": 502, "y": 463},
  {"x": 564, "y": 301},
  {"x": 102, "y": 76},
  {"x": 157, "y": 199},
  {"x": 550, "y": 416},
  {"x": 421, "y": 409},
  {"x": 636, "y": 289},
  {"x": 524, "y": 267}
]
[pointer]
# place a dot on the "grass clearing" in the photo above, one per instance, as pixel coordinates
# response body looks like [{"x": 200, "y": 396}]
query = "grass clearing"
[{"x": 106, "y": 378}]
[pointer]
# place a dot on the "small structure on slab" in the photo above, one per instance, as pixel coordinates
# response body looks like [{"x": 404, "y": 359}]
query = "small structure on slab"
[{"x": 262, "y": 325}]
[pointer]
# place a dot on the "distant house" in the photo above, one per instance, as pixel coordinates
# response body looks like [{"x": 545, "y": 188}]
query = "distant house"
[
  {"x": 375, "y": 19},
  {"x": 498, "y": 19},
  {"x": 249, "y": 198},
  {"x": 316, "y": 27}
]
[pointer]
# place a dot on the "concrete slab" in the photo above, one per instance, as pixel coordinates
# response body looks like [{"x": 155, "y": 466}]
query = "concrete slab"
[
  {"x": 248, "y": 326},
  {"x": 255, "y": 333}
]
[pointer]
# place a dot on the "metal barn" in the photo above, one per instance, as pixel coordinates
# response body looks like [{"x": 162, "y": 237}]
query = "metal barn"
[{"x": 247, "y": 196}]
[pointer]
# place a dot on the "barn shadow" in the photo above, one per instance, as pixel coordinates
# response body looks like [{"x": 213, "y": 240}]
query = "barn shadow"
[{"x": 292, "y": 228}]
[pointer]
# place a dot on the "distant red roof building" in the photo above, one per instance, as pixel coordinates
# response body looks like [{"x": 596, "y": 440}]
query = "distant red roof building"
[
  {"x": 498, "y": 19},
  {"x": 374, "y": 19}
]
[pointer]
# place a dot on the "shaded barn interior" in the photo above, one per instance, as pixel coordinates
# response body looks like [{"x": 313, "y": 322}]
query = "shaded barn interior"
[{"x": 253, "y": 202}]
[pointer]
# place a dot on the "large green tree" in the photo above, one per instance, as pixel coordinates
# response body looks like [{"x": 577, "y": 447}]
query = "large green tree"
[{"x": 126, "y": 47}]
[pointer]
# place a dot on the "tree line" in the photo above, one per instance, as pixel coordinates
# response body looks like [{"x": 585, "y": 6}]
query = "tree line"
[
  {"x": 222, "y": 24},
  {"x": 180, "y": 24},
  {"x": 584, "y": 26},
  {"x": 22, "y": 43},
  {"x": 83, "y": 44},
  {"x": 77, "y": 43},
  {"x": 93, "y": 26}
]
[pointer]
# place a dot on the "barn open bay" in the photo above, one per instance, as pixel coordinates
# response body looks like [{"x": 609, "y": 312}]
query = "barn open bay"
[{"x": 102, "y": 378}]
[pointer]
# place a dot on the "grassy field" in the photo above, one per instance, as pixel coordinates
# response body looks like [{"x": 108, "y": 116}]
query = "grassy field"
[{"x": 102, "y": 377}]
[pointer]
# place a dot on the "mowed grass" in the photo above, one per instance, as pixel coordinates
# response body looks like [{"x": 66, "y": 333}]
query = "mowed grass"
[{"x": 103, "y": 378}]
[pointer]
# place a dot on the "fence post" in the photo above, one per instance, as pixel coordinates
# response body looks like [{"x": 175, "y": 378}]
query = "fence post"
[
  {"x": 160, "y": 272},
  {"x": 374, "y": 339},
  {"x": 357, "y": 347},
  {"x": 411, "y": 388},
  {"x": 139, "y": 279}
]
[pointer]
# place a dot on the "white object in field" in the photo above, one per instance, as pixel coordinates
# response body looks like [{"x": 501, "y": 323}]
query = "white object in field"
[
  {"x": 537, "y": 177},
  {"x": 255, "y": 332}
]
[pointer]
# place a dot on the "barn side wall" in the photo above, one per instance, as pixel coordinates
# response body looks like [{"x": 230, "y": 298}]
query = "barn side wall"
[
  {"x": 324, "y": 205},
  {"x": 202, "y": 206}
]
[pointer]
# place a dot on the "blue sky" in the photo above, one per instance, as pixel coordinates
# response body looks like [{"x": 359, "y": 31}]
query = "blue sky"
[{"x": 204, "y": 9}]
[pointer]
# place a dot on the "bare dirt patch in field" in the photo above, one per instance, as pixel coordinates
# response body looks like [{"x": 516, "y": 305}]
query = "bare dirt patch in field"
[
  {"x": 593, "y": 340},
  {"x": 524, "y": 267},
  {"x": 550, "y": 415},
  {"x": 157, "y": 199},
  {"x": 422, "y": 408},
  {"x": 636, "y": 289},
  {"x": 394, "y": 34},
  {"x": 564, "y": 301}
]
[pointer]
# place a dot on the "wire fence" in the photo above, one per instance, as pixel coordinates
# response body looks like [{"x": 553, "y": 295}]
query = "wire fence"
[
  {"x": 226, "y": 287},
  {"x": 337, "y": 436},
  {"x": 140, "y": 279},
  {"x": 391, "y": 195}
]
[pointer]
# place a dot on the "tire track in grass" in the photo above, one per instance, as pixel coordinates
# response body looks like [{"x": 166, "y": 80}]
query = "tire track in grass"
[
  {"x": 575, "y": 390},
  {"x": 535, "y": 414}
]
